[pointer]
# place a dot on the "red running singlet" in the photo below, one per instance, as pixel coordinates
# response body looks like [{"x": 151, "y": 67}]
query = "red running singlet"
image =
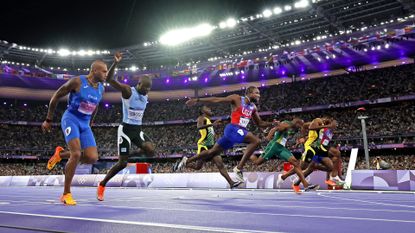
[{"x": 243, "y": 114}]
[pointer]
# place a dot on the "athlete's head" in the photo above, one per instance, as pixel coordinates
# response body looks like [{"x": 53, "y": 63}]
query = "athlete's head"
[
  {"x": 297, "y": 123},
  {"x": 206, "y": 111},
  {"x": 326, "y": 121},
  {"x": 253, "y": 94},
  {"x": 144, "y": 86},
  {"x": 319, "y": 121},
  {"x": 330, "y": 120},
  {"x": 99, "y": 71}
]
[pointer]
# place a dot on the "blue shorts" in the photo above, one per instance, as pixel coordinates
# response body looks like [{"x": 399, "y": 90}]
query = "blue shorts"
[
  {"x": 319, "y": 154},
  {"x": 317, "y": 159},
  {"x": 75, "y": 127},
  {"x": 233, "y": 134}
]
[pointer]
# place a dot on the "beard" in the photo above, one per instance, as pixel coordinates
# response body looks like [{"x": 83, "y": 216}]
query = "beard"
[{"x": 253, "y": 100}]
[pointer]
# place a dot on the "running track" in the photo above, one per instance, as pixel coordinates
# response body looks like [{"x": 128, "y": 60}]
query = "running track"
[{"x": 37, "y": 209}]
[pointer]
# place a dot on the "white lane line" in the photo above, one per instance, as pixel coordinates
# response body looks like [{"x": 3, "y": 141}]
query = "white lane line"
[
  {"x": 150, "y": 224},
  {"x": 251, "y": 213},
  {"x": 224, "y": 211},
  {"x": 368, "y": 202},
  {"x": 35, "y": 203}
]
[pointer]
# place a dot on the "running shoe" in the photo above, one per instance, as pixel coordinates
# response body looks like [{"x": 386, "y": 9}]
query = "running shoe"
[
  {"x": 338, "y": 180},
  {"x": 279, "y": 181},
  {"x": 180, "y": 165},
  {"x": 239, "y": 174},
  {"x": 236, "y": 184},
  {"x": 312, "y": 187},
  {"x": 296, "y": 189},
  {"x": 56, "y": 158},
  {"x": 100, "y": 192},
  {"x": 67, "y": 199},
  {"x": 330, "y": 183}
]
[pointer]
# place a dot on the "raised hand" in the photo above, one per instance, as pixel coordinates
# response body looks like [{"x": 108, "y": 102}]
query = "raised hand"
[{"x": 117, "y": 57}]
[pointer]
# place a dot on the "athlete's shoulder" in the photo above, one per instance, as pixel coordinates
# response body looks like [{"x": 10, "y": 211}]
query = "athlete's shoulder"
[
  {"x": 76, "y": 79},
  {"x": 200, "y": 117},
  {"x": 234, "y": 96},
  {"x": 74, "y": 83}
]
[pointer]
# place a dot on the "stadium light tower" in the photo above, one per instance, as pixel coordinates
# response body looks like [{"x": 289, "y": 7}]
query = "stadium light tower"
[
  {"x": 267, "y": 13},
  {"x": 64, "y": 52},
  {"x": 301, "y": 4},
  {"x": 179, "y": 36},
  {"x": 362, "y": 117},
  {"x": 277, "y": 10},
  {"x": 231, "y": 22}
]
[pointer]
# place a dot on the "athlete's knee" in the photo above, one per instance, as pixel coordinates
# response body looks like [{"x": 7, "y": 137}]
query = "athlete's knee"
[
  {"x": 149, "y": 149},
  {"x": 256, "y": 141},
  {"x": 76, "y": 154},
  {"x": 295, "y": 162},
  {"x": 90, "y": 159},
  {"x": 335, "y": 152},
  {"x": 258, "y": 160},
  {"x": 212, "y": 152},
  {"x": 219, "y": 164}
]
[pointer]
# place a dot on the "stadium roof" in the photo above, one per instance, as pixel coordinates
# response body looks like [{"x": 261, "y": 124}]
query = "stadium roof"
[{"x": 278, "y": 27}]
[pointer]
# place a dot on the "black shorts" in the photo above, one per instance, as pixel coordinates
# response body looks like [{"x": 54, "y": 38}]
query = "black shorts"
[
  {"x": 311, "y": 151},
  {"x": 297, "y": 154},
  {"x": 128, "y": 135}
]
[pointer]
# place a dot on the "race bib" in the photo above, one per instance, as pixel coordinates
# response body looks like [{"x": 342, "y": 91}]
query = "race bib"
[
  {"x": 87, "y": 107},
  {"x": 283, "y": 141},
  {"x": 136, "y": 115},
  {"x": 325, "y": 142},
  {"x": 243, "y": 122},
  {"x": 326, "y": 137}
]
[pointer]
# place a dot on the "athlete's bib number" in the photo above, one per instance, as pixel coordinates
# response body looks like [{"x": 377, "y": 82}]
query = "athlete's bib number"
[
  {"x": 243, "y": 122},
  {"x": 87, "y": 108},
  {"x": 136, "y": 115},
  {"x": 241, "y": 132},
  {"x": 326, "y": 137},
  {"x": 283, "y": 141}
]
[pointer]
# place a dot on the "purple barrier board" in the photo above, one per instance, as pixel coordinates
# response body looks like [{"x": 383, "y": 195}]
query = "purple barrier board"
[{"x": 397, "y": 180}]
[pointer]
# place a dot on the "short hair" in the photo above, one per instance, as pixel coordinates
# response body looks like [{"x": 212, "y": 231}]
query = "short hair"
[
  {"x": 250, "y": 89},
  {"x": 147, "y": 78},
  {"x": 201, "y": 109},
  {"x": 96, "y": 62}
]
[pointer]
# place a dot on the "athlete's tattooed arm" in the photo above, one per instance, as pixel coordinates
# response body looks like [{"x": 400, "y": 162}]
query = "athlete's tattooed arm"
[{"x": 72, "y": 85}]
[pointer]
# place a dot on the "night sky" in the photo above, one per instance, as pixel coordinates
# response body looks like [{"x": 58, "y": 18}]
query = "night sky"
[{"x": 112, "y": 24}]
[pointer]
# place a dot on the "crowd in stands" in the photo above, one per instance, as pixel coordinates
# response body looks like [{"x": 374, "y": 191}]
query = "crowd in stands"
[
  {"x": 365, "y": 85},
  {"x": 25, "y": 168},
  {"x": 385, "y": 125}
]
